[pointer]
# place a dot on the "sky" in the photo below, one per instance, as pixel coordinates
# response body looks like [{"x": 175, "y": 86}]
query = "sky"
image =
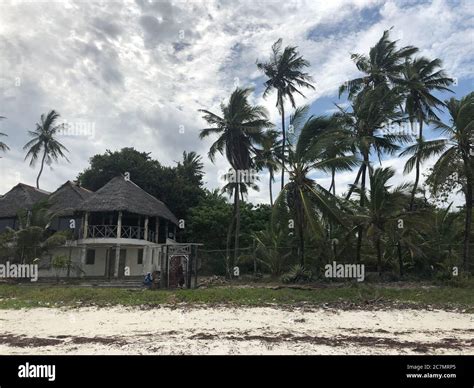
[{"x": 135, "y": 73}]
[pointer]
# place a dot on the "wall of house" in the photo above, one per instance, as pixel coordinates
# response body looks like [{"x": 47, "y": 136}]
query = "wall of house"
[{"x": 150, "y": 261}]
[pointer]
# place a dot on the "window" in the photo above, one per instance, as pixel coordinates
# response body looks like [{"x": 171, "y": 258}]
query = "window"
[
  {"x": 90, "y": 257},
  {"x": 140, "y": 256}
]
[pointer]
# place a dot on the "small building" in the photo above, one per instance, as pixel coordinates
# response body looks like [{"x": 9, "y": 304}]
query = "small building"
[{"x": 119, "y": 231}]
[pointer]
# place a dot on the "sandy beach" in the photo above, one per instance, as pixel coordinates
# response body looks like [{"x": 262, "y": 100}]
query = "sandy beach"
[{"x": 239, "y": 330}]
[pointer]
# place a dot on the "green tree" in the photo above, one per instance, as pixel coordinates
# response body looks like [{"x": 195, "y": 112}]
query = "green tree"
[
  {"x": 421, "y": 77},
  {"x": 239, "y": 129},
  {"x": 306, "y": 198},
  {"x": 268, "y": 158},
  {"x": 285, "y": 75},
  {"x": 44, "y": 140},
  {"x": 383, "y": 206},
  {"x": 179, "y": 187},
  {"x": 458, "y": 158},
  {"x": 381, "y": 68},
  {"x": 371, "y": 110}
]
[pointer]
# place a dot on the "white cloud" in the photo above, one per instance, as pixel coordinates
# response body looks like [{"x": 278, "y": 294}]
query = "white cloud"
[{"x": 140, "y": 70}]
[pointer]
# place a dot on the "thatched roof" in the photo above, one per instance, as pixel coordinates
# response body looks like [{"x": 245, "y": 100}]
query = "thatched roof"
[
  {"x": 20, "y": 197},
  {"x": 67, "y": 199},
  {"x": 124, "y": 195}
]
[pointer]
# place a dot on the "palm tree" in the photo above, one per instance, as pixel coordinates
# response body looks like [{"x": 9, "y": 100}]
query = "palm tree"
[
  {"x": 420, "y": 78},
  {"x": 458, "y": 158},
  {"x": 44, "y": 140},
  {"x": 383, "y": 206},
  {"x": 268, "y": 157},
  {"x": 3, "y": 146},
  {"x": 240, "y": 128},
  {"x": 307, "y": 199},
  {"x": 381, "y": 68},
  {"x": 285, "y": 74},
  {"x": 371, "y": 110}
]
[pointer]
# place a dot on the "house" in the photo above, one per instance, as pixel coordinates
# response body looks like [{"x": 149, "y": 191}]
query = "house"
[
  {"x": 117, "y": 231},
  {"x": 20, "y": 198}
]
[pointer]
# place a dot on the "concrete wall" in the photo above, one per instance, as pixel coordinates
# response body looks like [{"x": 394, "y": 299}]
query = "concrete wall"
[{"x": 150, "y": 261}]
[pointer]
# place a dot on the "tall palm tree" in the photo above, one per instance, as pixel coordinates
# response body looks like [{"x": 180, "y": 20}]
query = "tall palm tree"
[
  {"x": 3, "y": 146},
  {"x": 381, "y": 68},
  {"x": 268, "y": 157},
  {"x": 240, "y": 128},
  {"x": 285, "y": 74},
  {"x": 383, "y": 206},
  {"x": 458, "y": 158},
  {"x": 420, "y": 78},
  {"x": 371, "y": 110},
  {"x": 44, "y": 140},
  {"x": 307, "y": 199}
]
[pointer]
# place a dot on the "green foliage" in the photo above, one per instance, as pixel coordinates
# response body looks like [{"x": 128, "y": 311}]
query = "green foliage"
[
  {"x": 180, "y": 187},
  {"x": 297, "y": 274}
]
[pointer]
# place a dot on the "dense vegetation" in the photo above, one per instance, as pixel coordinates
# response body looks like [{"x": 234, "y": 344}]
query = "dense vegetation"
[{"x": 393, "y": 109}]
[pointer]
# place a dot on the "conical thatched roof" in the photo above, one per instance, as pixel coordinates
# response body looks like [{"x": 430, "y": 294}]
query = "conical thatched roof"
[
  {"x": 67, "y": 199},
  {"x": 20, "y": 197},
  {"x": 124, "y": 195}
]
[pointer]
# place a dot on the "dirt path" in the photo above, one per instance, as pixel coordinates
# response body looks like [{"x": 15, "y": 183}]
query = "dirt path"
[{"x": 228, "y": 330}]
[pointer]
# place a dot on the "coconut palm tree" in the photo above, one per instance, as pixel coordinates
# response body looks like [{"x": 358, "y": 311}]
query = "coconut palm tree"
[
  {"x": 3, "y": 146},
  {"x": 285, "y": 74},
  {"x": 381, "y": 68},
  {"x": 306, "y": 198},
  {"x": 420, "y": 78},
  {"x": 371, "y": 110},
  {"x": 240, "y": 128},
  {"x": 382, "y": 206},
  {"x": 458, "y": 158},
  {"x": 268, "y": 157},
  {"x": 44, "y": 140}
]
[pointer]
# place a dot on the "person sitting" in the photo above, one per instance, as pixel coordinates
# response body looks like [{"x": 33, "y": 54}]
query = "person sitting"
[{"x": 148, "y": 280}]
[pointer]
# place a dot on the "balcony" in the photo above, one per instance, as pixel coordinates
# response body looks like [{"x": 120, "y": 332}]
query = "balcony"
[{"x": 110, "y": 231}]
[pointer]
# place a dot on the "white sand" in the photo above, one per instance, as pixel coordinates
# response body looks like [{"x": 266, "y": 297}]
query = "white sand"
[{"x": 227, "y": 330}]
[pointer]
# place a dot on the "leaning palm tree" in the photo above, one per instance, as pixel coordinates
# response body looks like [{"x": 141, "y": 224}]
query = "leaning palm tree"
[
  {"x": 371, "y": 110},
  {"x": 421, "y": 77},
  {"x": 44, "y": 140},
  {"x": 381, "y": 68},
  {"x": 458, "y": 158},
  {"x": 285, "y": 74},
  {"x": 3, "y": 146},
  {"x": 268, "y": 158},
  {"x": 307, "y": 200},
  {"x": 240, "y": 128}
]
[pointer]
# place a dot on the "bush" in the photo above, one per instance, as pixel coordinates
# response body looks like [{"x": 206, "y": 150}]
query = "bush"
[{"x": 297, "y": 274}]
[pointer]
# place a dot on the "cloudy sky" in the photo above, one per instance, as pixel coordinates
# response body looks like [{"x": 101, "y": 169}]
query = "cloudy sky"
[{"x": 134, "y": 74}]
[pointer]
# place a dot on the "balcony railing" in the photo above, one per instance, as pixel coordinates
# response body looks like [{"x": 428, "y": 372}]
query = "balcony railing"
[{"x": 110, "y": 231}]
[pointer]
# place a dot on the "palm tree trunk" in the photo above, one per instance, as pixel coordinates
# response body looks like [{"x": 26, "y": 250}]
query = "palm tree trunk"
[
  {"x": 351, "y": 189},
  {"x": 301, "y": 234},
  {"x": 333, "y": 181},
  {"x": 468, "y": 219},
  {"x": 42, "y": 165},
  {"x": 360, "y": 229},
  {"x": 379, "y": 255},
  {"x": 237, "y": 224},
  {"x": 400, "y": 259},
  {"x": 417, "y": 176},
  {"x": 284, "y": 144},
  {"x": 270, "y": 188}
]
